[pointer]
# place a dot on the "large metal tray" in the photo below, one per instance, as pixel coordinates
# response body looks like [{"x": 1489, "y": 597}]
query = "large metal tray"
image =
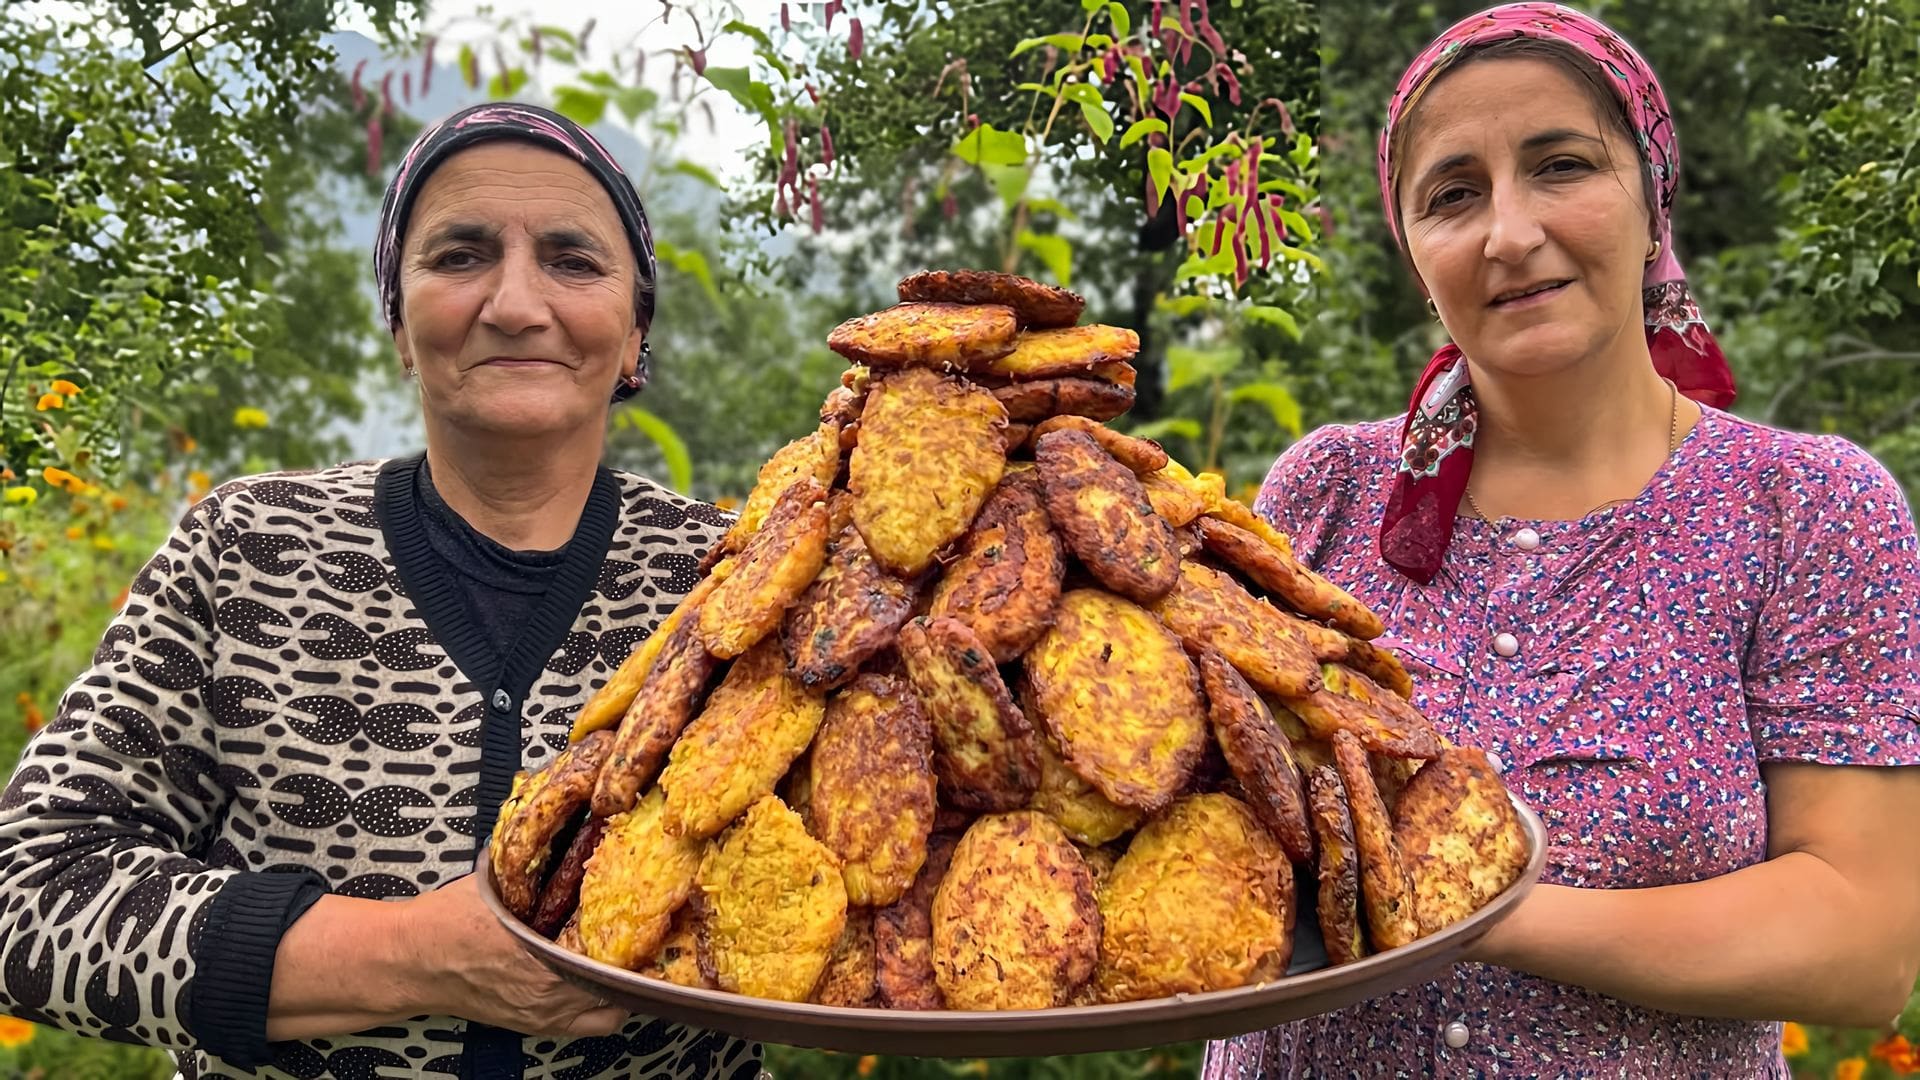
[{"x": 1310, "y": 988}]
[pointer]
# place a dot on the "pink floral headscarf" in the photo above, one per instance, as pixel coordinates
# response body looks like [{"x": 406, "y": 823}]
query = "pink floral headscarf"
[{"x": 1437, "y": 439}]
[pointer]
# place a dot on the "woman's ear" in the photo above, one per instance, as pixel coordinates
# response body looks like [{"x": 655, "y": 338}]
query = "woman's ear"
[
  {"x": 404, "y": 347},
  {"x": 631, "y": 362}
]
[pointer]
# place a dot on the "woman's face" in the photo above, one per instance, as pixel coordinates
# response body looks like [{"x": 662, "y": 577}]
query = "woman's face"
[
  {"x": 517, "y": 293},
  {"x": 1525, "y": 217}
]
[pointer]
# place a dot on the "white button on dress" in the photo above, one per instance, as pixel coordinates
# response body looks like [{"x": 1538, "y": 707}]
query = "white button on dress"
[
  {"x": 1506, "y": 645},
  {"x": 1526, "y": 539},
  {"x": 1456, "y": 1034}
]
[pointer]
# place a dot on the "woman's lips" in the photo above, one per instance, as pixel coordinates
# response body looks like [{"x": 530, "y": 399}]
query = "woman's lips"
[{"x": 1531, "y": 299}]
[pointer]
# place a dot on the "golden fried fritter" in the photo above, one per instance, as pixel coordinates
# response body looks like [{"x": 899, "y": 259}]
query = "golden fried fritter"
[
  {"x": 1005, "y": 582},
  {"x": 1119, "y": 373},
  {"x": 1282, "y": 575},
  {"x": 930, "y": 452},
  {"x": 1390, "y": 776},
  {"x": 1384, "y": 722},
  {"x": 903, "y": 935},
  {"x": 1015, "y": 922},
  {"x": 1330, "y": 646},
  {"x": 757, "y": 721},
  {"x": 1100, "y": 508},
  {"x": 873, "y": 787},
  {"x": 1386, "y": 889},
  {"x": 538, "y": 807},
  {"x": 1172, "y": 499},
  {"x": 1339, "y": 867},
  {"x": 1034, "y": 303},
  {"x": 842, "y": 408},
  {"x": 635, "y": 881},
  {"x": 561, "y": 894},
  {"x": 1199, "y": 902},
  {"x": 569, "y": 936},
  {"x": 1143, "y": 456},
  {"x": 1121, "y": 698},
  {"x": 1460, "y": 835},
  {"x": 1069, "y": 350},
  {"x": 1075, "y": 805},
  {"x": 610, "y": 703},
  {"x": 1100, "y": 863},
  {"x": 950, "y": 337},
  {"x": 815, "y": 456},
  {"x": 851, "y": 611},
  {"x": 776, "y": 566},
  {"x": 1258, "y": 754},
  {"x": 678, "y": 958},
  {"x": 1032, "y": 402},
  {"x": 666, "y": 701},
  {"x": 983, "y": 746},
  {"x": 1309, "y": 752},
  {"x": 1208, "y": 609},
  {"x": 952, "y": 819},
  {"x": 849, "y": 978},
  {"x": 772, "y": 906}
]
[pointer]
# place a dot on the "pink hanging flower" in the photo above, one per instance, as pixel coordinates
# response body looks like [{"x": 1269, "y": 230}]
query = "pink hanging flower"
[
  {"x": 1110, "y": 66},
  {"x": 856, "y": 40},
  {"x": 426, "y": 67},
  {"x": 813, "y": 94},
  {"x": 826, "y": 145},
  {"x": 834, "y": 7},
  {"x": 359, "y": 95},
  {"x": 813, "y": 201},
  {"x": 1233, "y": 85},
  {"x": 386, "y": 92},
  {"x": 949, "y": 206},
  {"x": 406, "y": 87},
  {"x": 786, "y": 18},
  {"x": 698, "y": 58},
  {"x": 373, "y": 145}
]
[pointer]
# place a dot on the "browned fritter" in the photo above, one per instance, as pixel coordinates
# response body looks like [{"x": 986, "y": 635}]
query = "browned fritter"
[
  {"x": 1120, "y": 697},
  {"x": 772, "y": 905},
  {"x": 1282, "y": 575},
  {"x": 1100, "y": 863},
  {"x": 637, "y": 877},
  {"x": 851, "y": 611},
  {"x": 1460, "y": 835},
  {"x": 1119, "y": 373},
  {"x": 796, "y": 790},
  {"x": 1032, "y": 402},
  {"x": 931, "y": 450},
  {"x": 1067, "y": 350},
  {"x": 561, "y": 894},
  {"x": 776, "y": 566},
  {"x": 667, "y": 700},
  {"x": 1208, "y": 609},
  {"x": 1330, "y": 646},
  {"x": 843, "y": 406},
  {"x": 1309, "y": 752},
  {"x": 983, "y": 746},
  {"x": 539, "y": 806},
  {"x": 1386, "y": 889},
  {"x": 1339, "y": 867},
  {"x": 569, "y": 936},
  {"x": 756, "y": 722},
  {"x": 1173, "y": 500},
  {"x": 1234, "y": 512},
  {"x": 814, "y": 456},
  {"x": 1385, "y": 723},
  {"x": 1015, "y": 437},
  {"x": 1015, "y": 921},
  {"x": 1075, "y": 805},
  {"x": 609, "y": 704},
  {"x": 1143, "y": 456},
  {"x": 903, "y": 935},
  {"x": 849, "y": 978},
  {"x": 1034, "y": 303},
  {"x": 678, "y": 960},
  {"x": 948, "y": 337},
  {"x": 1258, "y": 754},
  {"x": 873, "y": 789},
  {"x": 1100, "y": 508},
  {"x": 1201, "y": 901},
  {"x": 1391, "y": 774},
  {"x": 1004, "y": 584}
]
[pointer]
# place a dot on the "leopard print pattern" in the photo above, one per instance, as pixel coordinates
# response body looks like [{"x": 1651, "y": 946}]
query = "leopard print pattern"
[{"x": 268, "y": 700}]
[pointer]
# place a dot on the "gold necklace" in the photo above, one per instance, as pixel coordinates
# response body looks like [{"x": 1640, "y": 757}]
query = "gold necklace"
[{"x": 1673, "y": 443}]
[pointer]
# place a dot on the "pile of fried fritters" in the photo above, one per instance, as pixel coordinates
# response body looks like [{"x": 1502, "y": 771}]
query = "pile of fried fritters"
[{"x": 982, "y": 704}]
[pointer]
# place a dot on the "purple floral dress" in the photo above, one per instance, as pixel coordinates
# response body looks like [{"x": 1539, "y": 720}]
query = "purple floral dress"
[{"x": 1631, "y": 672}]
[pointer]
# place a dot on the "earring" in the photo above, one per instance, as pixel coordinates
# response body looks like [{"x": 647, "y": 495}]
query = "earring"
[
  {"x": 1655, "y": 252},
  {"x": 407, "y": 371},
  {"x": 1433, "y": 309}
]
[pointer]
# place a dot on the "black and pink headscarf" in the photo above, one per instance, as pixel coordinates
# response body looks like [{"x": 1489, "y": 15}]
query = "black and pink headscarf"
[
  {"x": 527, "y": 123},
  {"x": 1437, "y": 439}
]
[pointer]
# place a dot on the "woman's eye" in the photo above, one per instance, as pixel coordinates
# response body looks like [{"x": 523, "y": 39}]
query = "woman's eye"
[
  {"x": 1565, "y": 165},
  {"x": 575, "y": 265},
  {"x": 1447, "y": 198},
  {"x": 456, "y": 260}
]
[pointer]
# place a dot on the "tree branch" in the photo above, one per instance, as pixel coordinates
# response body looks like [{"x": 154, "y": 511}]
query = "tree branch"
[{"x": 156, "y": 54}]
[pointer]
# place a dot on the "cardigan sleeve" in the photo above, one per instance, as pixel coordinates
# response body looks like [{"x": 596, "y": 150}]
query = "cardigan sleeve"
[{"x": 119, "y": 916}]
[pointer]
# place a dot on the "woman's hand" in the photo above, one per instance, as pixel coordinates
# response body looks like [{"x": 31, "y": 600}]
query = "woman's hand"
[{"x": 468, "y": 965}]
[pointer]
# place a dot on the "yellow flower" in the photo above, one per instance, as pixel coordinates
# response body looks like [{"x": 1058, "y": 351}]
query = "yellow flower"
[
  {"x": 21, "y": 496},
  {"x": 103, "y": 543},
  {"x": 246, "y": 416},
  {"x": 3, "y": 577},
  {"x": 62, "y": 386},
  {"x": 15, "y": 1032},
  {"x": 1852, "y": 1068},
  {"x": 1793, "y": 1039},
  {"x": 51, "y": 401},
  {"x": 198, "y": 484}
]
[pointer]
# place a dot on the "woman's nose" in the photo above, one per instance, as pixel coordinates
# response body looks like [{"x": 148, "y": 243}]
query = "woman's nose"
[
  {"x": 1513, "y": 225},
  {"x": 518, "y": 302}
]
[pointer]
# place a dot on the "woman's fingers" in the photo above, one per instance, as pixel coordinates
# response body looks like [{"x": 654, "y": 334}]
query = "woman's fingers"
[{"x": 604, "y": 1020}]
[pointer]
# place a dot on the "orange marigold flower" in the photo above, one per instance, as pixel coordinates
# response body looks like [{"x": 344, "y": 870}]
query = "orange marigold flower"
[
  {"x": 1793, "y": 1039},
  {"x": 198, "y": 484},
  {"x": 76, "y": 532},
  {"x": 1852, "y": 1068},
  {"x": 62, "y": 386},
  {"x": 6, "y": 473},
  {"x": 865, "y": 1068},
  {"x": 15, "y": 1032},
  {"x": 32, "y": 718},
  {"x": 117, "y": 503},
  {"x": 1900, "y": 1055},
  {"x": 61, "y": 478},
  {"x": 51, "y": 401}
]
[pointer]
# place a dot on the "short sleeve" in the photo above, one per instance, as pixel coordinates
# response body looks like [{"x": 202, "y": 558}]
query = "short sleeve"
[
  {"x": 1830, "y": 671},
  {"x": 1310, "y": 487}
]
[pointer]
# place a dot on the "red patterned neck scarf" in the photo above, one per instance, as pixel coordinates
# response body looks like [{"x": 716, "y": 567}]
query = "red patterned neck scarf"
[{"x": 1437, "y": 439}]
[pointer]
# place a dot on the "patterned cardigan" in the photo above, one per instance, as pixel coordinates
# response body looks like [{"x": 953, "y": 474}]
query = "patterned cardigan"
[{"x": 283, "y": 709}]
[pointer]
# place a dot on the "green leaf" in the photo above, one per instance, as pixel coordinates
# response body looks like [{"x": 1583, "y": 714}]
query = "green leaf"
[
  {"x": 1160, "y": 167},
  {"x": 1186, "y": 366},
  {"x": 1220, "y": 265},
  {"x": 1170, "y": 426},
  {"x": 558, "y": 33},
  {"x": 1294, "y": 254},
  {"x": 1098, "y": 119},
  {"x": 775, "y": 63},
  {"x": 1297, "y": 225},
  {"x": 1039, "y": 88},
  {"x": 1200, "y": 105},
  {"x": 1053, "y": 250},
  {"x": 506, "y": 84},
  {"x": 634, "y": 100},
  {"x": 988, "y": 145},
  {"x": 673, "y": 449},
  {"x": 1287, "y": 187},
  {"x": 1182, "y": 306},
  {"x": 754, "y": 32},
  {"x": 698, "y": 172},
  {"x": 1091, "y": 6},
  {"x": 1140, "y": 129},
  {"x": 1083, "y": 93},
  {"x": 692, "y": 263},
  {"x": 1122, "y": 22},
  {"x": 1302, "y": 151},
  {"x": 1069, "y": 42},
  {"x": 601, "y": 79},
  {"x": 583, "y": 107},
  {"x": 1277, "y": 399},
  {"x": 1051, "y": 206},
  {"x": 738, "y": 84},
  {"x": 1009, "y": 180},
  {"x": 1274, "y": 316}
]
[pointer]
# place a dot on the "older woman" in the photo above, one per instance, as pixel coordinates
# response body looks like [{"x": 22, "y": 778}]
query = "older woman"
[
  {"x": 1688, "y": 637},
  {"x": 246, "y": 836}
]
